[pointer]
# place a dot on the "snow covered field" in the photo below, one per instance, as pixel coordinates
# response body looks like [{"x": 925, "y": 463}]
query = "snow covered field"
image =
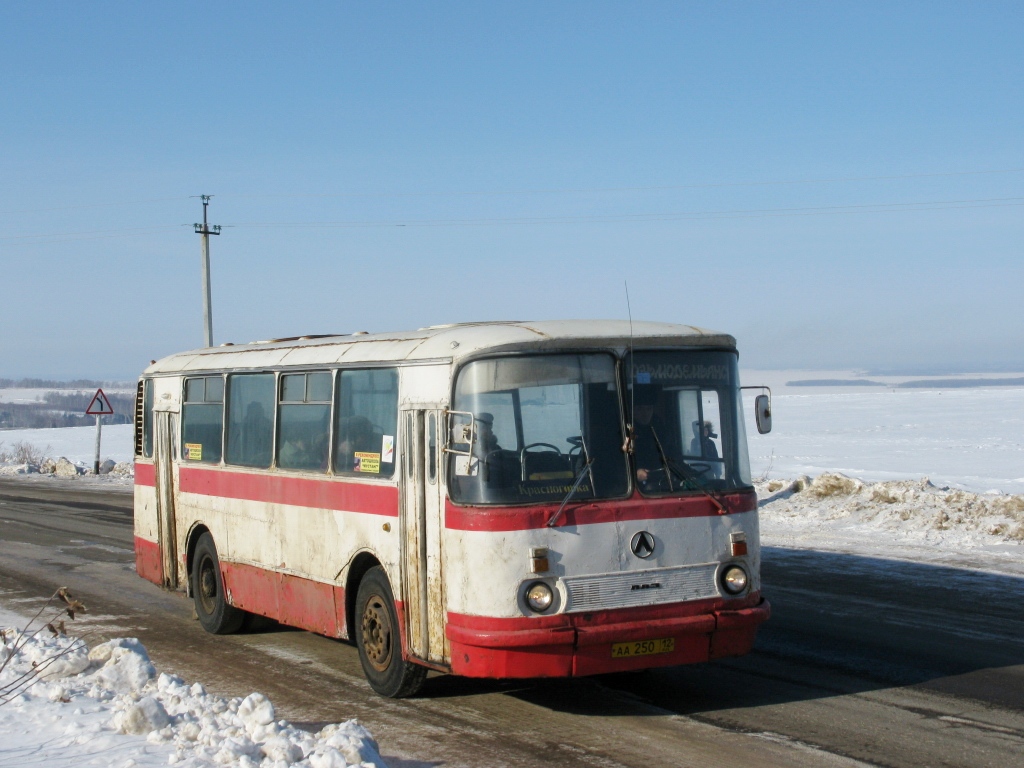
[
  {"x": 77, "y": 444},
  {"x": 64, "y": 705},
  {"x": 965, "y": 438}
]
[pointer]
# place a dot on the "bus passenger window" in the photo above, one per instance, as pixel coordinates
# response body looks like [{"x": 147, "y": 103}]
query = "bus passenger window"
[
  {"x": 303, "y": 421},
  {"x": 367, "y": 422},
  {"x": 202, "y": 419},
  {"x": 250, "y": 435}
]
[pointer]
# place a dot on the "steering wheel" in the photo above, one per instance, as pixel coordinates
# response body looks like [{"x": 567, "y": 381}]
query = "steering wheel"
[
  {"x": 554, "y": 448},
  {"x": 699, "y": 468}
]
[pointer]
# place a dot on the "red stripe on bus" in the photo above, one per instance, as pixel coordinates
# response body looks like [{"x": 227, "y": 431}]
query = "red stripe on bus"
[
  {"x": 636, "y": 508},
  {"x": 273, "y": 488},
  {"x": 145, "y": 474}
]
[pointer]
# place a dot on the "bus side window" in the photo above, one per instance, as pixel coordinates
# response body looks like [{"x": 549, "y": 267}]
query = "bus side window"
[
  {"x": 303, "y": 420},
  {"x": 250, "y": 433},
  {"x": 202, "y": 419},
  {"x": 367, "y": 422}
]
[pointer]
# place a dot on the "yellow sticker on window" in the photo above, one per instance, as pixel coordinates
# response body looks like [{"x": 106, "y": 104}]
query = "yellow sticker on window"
[
  {"x": 194, "y": 451},
  {"x": 367, "y": 462}
]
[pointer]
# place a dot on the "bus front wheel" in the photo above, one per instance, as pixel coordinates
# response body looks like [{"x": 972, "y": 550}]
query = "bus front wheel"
[
  {"x": 213, "y": 610},
  {"x": 379, "y": 640}
]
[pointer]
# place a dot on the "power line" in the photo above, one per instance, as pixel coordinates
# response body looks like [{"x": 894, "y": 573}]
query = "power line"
[
  {"x": 96, "y": 205},
  {"x": 543, "y": 191},
  {"x": 99, "y": 234},
  {"x": 656, "y": 188},
  {"x": 710, "y": 215},
  {"x": 995, "y": 202}
]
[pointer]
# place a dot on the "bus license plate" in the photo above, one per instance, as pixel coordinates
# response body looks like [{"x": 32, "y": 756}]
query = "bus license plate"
[{"x": 643, "y": 648}]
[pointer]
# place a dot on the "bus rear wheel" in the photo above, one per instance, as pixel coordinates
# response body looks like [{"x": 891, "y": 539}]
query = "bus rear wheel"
[
  {"x": 379, "y": 640},
  {"x": 213, "y": 610}
]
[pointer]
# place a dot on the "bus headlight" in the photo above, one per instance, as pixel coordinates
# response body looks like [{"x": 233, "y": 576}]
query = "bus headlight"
[
  {"x": 539, "y": 596},
  {"x": 734, "y": 579}
]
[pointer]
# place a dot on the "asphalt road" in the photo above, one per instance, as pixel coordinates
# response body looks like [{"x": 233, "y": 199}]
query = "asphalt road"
[{"x": 864, "y": 662}]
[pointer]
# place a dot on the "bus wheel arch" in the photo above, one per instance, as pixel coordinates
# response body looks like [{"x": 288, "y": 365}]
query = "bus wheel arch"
[
  {"x": 190, "y": 553},
  {"x": 213, "y": 610},
  {"x": 378, "y": 637},
  {"x": 362, "y": 563}
]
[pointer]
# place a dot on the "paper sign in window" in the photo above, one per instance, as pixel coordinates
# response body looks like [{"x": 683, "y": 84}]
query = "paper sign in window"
[
  {"x": 194, "y": 451},
  {"x": 387, "y": 450},
  {"x": 367, "y": 462}
]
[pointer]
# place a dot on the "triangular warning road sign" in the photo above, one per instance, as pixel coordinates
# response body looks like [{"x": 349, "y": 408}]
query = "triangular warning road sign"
[{"x": 100, "y": 405}]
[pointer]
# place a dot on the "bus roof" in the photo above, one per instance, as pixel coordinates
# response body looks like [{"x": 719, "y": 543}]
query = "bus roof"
[{"x": 442, "y": 343}]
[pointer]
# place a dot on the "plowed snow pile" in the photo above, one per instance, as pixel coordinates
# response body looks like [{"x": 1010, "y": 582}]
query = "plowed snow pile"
[
  {"x": 911, "y": 520},
  {"x": 62, "y": 704}
]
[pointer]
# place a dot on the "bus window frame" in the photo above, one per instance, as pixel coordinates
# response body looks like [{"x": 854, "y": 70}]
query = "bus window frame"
[
  {"x": 279, "y": 389},
  {"x": 179, "y": 446}
]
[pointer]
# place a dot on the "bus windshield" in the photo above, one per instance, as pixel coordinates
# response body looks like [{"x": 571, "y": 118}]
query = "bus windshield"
[
  {"x": 542, "y": 426},
  {"x": 687, "y": 421}
]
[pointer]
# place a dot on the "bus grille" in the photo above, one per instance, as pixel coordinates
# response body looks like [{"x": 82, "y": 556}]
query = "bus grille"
[{"x": 631, "y": 588}]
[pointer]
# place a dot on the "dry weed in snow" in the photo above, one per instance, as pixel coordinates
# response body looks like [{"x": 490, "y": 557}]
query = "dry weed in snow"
[{"x": 793, "y": 511}]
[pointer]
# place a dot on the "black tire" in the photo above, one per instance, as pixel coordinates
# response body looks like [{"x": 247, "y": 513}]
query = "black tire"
[
  {"x": 213, "y": 611},
  {"x": 378, "y": 638}
]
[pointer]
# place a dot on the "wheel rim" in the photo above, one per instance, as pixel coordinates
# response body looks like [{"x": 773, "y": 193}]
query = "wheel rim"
[
  {"x": 207, "y": 585},
  {"x": 377, "y": 633}
]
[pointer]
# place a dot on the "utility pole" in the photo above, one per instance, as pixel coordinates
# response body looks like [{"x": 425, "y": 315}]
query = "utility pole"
[{"x": 206, "y": 230}]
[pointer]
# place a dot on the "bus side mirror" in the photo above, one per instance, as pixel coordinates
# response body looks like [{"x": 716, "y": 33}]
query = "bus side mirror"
[{"x": 763, "y": 413}]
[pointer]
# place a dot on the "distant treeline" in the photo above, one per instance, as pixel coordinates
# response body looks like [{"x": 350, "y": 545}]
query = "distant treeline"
[
  {"x": 834, "y": 383},
  {"x": 915, "y": 384},
  {"x": 64, "y": 409},
  {"x": 53, "y": 384}
]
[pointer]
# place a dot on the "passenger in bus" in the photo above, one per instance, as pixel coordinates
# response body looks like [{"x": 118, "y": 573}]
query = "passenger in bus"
[
  {"x": 703, "y": 443},
  {"x": 294, "y": 454},
  {"x": 496, "y": 463},
  {"x": 486, "y": 440},
  {"x": 304, "y": 452},
  {"x": 357, "y": 436}
]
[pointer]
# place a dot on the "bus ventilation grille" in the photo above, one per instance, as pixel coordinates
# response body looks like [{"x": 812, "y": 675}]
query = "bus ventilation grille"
[
  {"x": 631, "y": 588},
  {"x": 140, "y": 404}
]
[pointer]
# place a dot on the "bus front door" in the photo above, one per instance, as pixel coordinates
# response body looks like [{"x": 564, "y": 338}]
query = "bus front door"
[
  {"x": 421, "y": 524},
  {"x": 167, "y": 532}
]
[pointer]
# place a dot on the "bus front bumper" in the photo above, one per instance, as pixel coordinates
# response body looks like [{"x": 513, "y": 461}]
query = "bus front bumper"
[{"x": 590, "y": 645}]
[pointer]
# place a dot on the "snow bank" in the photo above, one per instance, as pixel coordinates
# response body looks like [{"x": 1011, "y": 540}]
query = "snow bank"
[
  {"x": 903, "y": 519},
  {"x": 62, "y": 704}
]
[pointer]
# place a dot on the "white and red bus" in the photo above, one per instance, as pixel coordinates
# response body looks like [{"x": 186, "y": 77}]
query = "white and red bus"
[{"x": 497, "y": 500}]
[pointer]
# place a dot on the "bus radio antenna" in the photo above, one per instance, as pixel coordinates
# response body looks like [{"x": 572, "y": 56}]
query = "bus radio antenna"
[{"x": 627, "y": 447}]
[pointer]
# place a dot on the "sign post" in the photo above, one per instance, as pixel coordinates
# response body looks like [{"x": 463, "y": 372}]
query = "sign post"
[{"x": 98, "y": 407}]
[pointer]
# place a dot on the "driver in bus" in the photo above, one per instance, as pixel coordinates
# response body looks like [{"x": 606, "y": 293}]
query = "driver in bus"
[{"x": 648, "y": 425}]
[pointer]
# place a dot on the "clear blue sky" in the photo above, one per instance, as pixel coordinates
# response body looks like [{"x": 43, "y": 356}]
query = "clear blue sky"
[{"x": 838, "y": 185}]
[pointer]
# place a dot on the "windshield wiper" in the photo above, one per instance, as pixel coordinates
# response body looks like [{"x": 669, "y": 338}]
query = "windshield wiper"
[
  {"x": 664, "y": 459},
  {"x": 684, "y": 475},
  {"x": 576, "y": 484}
]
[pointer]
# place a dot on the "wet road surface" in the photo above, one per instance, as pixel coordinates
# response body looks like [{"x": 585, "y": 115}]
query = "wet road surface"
[{"x": 864, "y": 662}]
